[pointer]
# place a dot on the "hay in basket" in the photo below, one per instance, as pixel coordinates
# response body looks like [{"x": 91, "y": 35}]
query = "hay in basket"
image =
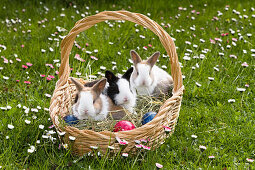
[
  {"x": 144, "y": 105},
  {"x": 63, "y": 95}
]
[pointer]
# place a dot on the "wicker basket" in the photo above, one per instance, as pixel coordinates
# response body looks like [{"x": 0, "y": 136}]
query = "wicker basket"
[{"x": 64, "y": 93}]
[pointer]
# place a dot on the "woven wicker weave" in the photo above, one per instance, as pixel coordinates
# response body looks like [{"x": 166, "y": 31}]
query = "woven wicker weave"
[{"x": 64, "y": 92}]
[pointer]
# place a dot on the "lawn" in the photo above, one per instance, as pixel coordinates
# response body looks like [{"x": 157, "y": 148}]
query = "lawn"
[{"x": 216, "y": 48}]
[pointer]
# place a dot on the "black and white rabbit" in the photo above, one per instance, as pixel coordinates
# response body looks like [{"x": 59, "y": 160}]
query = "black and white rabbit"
[
  {"x": 90, "y": 102},
  {"x": 119, "y": 91},
  {"x": 147, "y": 78}
]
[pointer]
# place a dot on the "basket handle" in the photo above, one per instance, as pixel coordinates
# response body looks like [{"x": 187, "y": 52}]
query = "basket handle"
[{"x": 86, "y": 23}]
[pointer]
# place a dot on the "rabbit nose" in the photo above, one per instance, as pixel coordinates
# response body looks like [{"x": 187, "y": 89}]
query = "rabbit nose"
[
  {"x": 86, "y": 111},
  {"x": 143, "y": 82},
  {"x": 125, "y": 99}
]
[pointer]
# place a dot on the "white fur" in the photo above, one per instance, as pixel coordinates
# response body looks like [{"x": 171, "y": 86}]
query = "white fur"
[
  {"x": 125, "y": 93},
  {"x": 104, "y": 110},
  {"x": 85, "y": 108},
  {"x": 143, "y": 83},
  {"x": 105, "y": 88}
]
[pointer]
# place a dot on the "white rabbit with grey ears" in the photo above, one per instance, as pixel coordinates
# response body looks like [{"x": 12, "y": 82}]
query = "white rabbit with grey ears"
[
  {"x": 119, "y": 90},
  {"x": 147, "y": 78},
  {"x": 90, "y": 102}
]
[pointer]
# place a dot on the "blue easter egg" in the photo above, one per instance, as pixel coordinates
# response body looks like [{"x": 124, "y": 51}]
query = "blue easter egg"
[
  {"x": 148, "y": 117},
  {"x": 71, "y": 119}
]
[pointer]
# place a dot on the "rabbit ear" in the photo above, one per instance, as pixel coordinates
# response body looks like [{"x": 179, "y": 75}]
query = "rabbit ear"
[
  {"x": 128, "y": 73},
  {"x": 135, "y": 57},
  {"x": 153, "y": 59},
  {"x": 110, "y": 76},
  {"x": 78, "y": 85},
  {"x": 91, "y": 84},
  {"x": 99, "y": 87}
]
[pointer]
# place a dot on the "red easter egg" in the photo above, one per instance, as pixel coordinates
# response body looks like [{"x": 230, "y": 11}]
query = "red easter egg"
[{"x": 123, "y": 125}]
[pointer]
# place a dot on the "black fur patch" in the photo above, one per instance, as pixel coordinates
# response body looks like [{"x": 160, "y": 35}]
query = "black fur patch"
[
  {"x": 110, "y": 76},
  {"x": 113, "y": 88},
  {"x": 128, "y": 73},
  {"x": 112, "y": 91}
]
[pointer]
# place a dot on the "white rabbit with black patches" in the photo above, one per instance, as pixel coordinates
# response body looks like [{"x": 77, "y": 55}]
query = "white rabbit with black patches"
[
  {"x": 147, "y": 78},
  {"x": 90, "y": 102},
  {"x": 119, "y": 90}
]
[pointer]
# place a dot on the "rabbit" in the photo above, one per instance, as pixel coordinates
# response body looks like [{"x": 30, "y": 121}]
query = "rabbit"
[
  {"x": 147, "y": 78},
  {"x": 119, "y": 91},
  {"x": 90, "y": 102}
]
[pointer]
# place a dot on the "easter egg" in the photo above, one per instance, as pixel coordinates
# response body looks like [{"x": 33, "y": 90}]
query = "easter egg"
[
  {"x": 148, "y": 117},
  {"x": 123, "y": 125},
  {"x": 71, "y": 119}
]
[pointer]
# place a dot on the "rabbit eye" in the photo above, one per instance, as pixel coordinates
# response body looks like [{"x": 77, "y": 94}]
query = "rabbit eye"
[{"x": 137, "y": 73}]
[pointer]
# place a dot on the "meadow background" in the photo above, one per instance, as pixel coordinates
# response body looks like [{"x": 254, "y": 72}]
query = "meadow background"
[{"x": 216, "y": 48}]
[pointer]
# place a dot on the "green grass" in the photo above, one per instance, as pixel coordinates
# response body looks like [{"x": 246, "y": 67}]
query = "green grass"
[{"x": 226, "y": 129}]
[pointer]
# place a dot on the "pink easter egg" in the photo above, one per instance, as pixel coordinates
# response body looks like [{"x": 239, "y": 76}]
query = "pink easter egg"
[{"x": 123, "y": 125}]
